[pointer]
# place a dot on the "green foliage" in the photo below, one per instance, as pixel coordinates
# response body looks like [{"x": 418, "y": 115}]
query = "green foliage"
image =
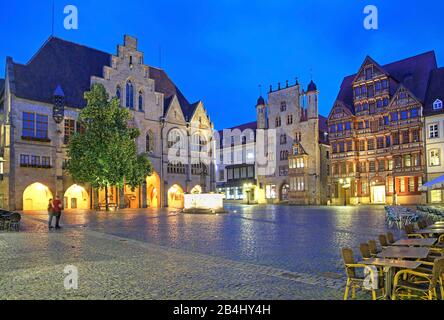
[{"x": 105, "y": 152}]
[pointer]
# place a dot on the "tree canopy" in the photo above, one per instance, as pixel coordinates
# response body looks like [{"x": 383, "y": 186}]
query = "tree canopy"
[{"x": 104, "y": 153}]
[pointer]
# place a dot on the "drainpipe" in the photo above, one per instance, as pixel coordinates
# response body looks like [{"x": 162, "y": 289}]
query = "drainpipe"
[{"x": 162, "y": 183}]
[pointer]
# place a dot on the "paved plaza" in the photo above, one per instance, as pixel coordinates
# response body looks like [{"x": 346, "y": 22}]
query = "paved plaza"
[{"x": 254, "y": 252}]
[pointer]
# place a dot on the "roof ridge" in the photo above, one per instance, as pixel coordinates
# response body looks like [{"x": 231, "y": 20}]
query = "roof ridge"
[{"x": 50, "y": 38}]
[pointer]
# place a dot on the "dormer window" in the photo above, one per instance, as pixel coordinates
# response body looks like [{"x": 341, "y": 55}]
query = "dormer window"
[{"x": 437, "y": 105}]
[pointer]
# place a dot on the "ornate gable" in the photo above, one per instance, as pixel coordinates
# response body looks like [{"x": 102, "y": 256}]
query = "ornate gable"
[
  {"x": 339, "y": 112},
  {"x": 403, "y": 98},
  {"x": 174, "y": 111},
  {"x": 200, "y": 117},
  {"x": 298, "y": 149},
  {"x": 369, "y": 69}
]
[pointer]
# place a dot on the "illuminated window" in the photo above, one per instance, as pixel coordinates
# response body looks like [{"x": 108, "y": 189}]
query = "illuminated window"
[
  {"x": 270, "y": 191},
  {"x": 412, "y": 184},
  {"x": 435, "y": 158},
  {"x": 436, "y": 196},
  {"x": 402, "y": 185},
  {"x": 390, "y": 184},
  {"x": 407, "y": 160}
]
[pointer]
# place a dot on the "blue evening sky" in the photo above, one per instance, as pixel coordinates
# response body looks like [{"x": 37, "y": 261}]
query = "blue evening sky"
[{"x": 220, "y": 51}]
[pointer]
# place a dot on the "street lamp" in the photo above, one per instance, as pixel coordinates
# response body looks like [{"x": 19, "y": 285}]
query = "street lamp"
[{"x": 247, "y": 188}]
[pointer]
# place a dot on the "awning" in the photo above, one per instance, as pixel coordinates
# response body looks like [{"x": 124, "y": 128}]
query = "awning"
[{"x": 438, "y": 183}]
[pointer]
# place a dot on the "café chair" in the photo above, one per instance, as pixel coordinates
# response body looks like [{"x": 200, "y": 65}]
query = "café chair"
[
  {"x": 419, "y": 284},
  {"x": 354, "y": 281}
]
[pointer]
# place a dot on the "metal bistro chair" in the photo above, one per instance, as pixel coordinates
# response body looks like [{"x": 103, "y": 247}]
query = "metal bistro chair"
[
  {"x": 354, "y": 281},
  {"x": 373, "y": 248},
  {"x": 390, "y": 238},
  {"x": 420, "y": 285},
  {"x": 365, "y": 251},
  {"x": 2, "y": 223},
  {"x": 410, "y": 232},
  {"x": 6, "y": 221},
  {"x": 383, "y": 241},
  {"x": 422, "y": 224},
  {"x": 14, "y": 223}
]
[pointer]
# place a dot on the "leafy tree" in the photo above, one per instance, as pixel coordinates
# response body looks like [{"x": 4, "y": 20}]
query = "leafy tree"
[{"x": 104, "y": 153}]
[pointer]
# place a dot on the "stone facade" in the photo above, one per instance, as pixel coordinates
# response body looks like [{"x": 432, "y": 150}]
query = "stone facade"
[
  {"x": 236, "y": 164},
  {"x": 434, "y": 133},
  {"x": 291, "y": 116},
  {"x": 169, "y": 126}
]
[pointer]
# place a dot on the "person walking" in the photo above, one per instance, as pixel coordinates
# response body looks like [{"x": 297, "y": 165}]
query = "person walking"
[
  {"x": 50, "y": 214},
  {"x": 57, "y": 209}
]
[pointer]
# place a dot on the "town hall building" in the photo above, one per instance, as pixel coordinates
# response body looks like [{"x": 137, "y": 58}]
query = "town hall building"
[{"x": 40, "y": 104}]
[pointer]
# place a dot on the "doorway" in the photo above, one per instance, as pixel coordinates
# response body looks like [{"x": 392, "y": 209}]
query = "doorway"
[{"x": 378, "y": 194}]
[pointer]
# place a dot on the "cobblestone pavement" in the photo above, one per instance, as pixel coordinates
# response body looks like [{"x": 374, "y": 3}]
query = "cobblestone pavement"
[{"x": 255, "y": 252}]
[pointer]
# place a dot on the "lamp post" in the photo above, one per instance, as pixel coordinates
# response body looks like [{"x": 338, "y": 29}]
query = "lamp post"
[{"x": 247, "y": 188}]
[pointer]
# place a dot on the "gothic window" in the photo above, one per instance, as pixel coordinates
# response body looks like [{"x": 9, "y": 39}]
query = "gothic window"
[
  {"x": 149, "y": 142},
  {"x": 283, "y": 106},
  {"x": 175, "y": 139},
  {"x": 140, "y": 101},
  {"x": 278, "y": 121},
  {"x": 290, "y": 119},
  {"x": 198, "y": 168},
  {"x": 118, "y": 92},
  {"x": 283, "y": 139},
  {"x": 175, "y": 167},
  {"x": 129, "y": 95},
  {"x": 198, "y": 143}
]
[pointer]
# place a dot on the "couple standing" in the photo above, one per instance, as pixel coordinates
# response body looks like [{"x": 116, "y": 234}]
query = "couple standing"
[{"x": 54, "y": 210}]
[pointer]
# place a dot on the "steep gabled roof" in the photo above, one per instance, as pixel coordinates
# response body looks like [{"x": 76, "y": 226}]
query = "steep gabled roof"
[
  {"x": 412, "y": 72},
  {"x": 435, "y": 91},
  {"x": 62, "y": 63},
  {"x": 249, "y": 125},
  {"x": 71, "y": 66}
]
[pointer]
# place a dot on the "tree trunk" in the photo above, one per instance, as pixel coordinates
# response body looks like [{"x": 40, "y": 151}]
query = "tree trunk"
[{"x": 106, "y": 199}]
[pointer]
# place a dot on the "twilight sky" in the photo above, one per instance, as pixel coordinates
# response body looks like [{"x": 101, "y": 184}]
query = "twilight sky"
[{"x": 220, "y": 51}]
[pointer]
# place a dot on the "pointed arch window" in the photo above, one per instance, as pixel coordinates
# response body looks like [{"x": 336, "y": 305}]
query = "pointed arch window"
[
  {"x": 149, "y": 142},
  {"x": 129, "y": 95},
  {"x": 118, "y": 92},
  {"x": 140, "y": 101}
]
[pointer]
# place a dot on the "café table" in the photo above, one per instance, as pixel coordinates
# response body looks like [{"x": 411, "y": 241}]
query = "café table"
[
  {"x": 431, "y": 231},
  {"x": 389, "y": 265},
  {"x": 404, "y": 253},
  {"x": 414, "y": 242}
]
